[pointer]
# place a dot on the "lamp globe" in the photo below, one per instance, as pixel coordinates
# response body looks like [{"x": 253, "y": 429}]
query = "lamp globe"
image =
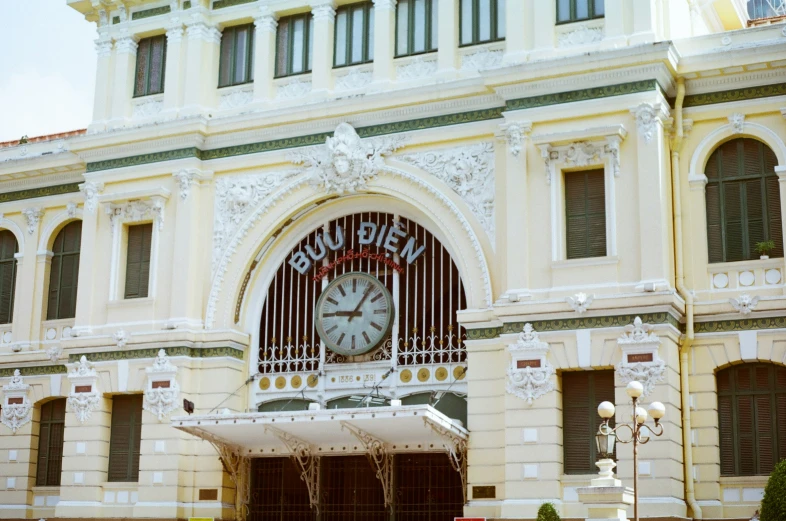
[
  {"x": 634, "y": 389},
  {"x": 641, "y": 415},
  {"x": 657, "y": 410},
  {"x": 606, "y": 410}
]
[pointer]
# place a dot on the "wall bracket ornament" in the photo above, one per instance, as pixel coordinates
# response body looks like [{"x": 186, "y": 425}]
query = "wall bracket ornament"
[
  {"x": 346, "y": 163},
  {"x": 83, "y": 398},
  {"x": 514, "y": 134},
  {"x": 529, "y": 375},
  {"x": 648, "y": 117},
  {"x": 737, "y": 121},
  {"x": 17, "y": 408},
  {"x": 744, "y": 303},
  {"x": 380, "y": 457},
  {"x": 307, "y": 461},
  {"x": 640, "y": 360},
  {"x": 91, "y": 191},
  {"x": 580, "y": 302},
  {"x": 162, "y": 390},
  {"x": 33, "y": 216}
]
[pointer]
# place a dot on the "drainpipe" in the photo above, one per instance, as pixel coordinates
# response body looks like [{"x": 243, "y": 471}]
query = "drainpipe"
[{"x": 687, "y": 342}]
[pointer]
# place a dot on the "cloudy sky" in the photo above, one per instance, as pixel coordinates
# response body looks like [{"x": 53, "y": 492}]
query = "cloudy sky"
[{"x": 47, "y": 68}]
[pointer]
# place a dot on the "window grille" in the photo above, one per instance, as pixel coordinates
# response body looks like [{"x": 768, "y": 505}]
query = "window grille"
[
  {"x": 294, "y": 48},
  {"x": 64, "y": 272},
  {"x": 354, "y": 43},
  {"x": 577, "y": 10},
  {"x": 416, "y": 27},
  {"x": 766, "y": 8},
  {"x": 482, "y": 21},
  {"x": 236, "y": 63},
  {"x": 150, "y": 66}
]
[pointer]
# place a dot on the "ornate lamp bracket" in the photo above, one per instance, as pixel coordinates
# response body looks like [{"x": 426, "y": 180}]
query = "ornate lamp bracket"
[
  {"x": 529, "y": 375},
  {"x": 17, "y": 407},
  {"x": 304, "y": 456},
  {"x": 379, "y": 456},
  {"x": 640, "y": 360},
  {"x": 456, "y": 447}
]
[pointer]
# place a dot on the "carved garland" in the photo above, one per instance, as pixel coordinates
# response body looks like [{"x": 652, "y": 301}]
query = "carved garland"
[
  {"x": 582, "y": 153},
  {"x": 640, "y": 340},
  {"x": 162, "y": 391},
  {"x": 529, "y": 375},
  {"x": 83, "y": 398},
  {"x": 17, "y": 407}
]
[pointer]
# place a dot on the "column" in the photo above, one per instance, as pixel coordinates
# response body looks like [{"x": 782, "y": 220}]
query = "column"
[
  {"x": 448, "y": 38},
  {"x": 26, "y": 298},
  {"x": 654, "y": 197},
  {"x": 201, "y": 76},
  {"x": 323, "y": 41},
  {"x": 614, "y": 26},
  {"x": 780, "y": 170},
  {"x": 518, "y": 30},
  {"x": 43, "y": 263},
  {"x": 384, "y": 40},
  {"x": 644, "y": 22},
  {"x": 545, "y": 19},
  {"x": 123, "y": 91},
  {"x": 85, "y": 291},
  {"x": 173, "y": 75},
  {"x": 265, "y": 55},
  {"x": 186, "y": 306},
  {"x": 101, "y": 100}
]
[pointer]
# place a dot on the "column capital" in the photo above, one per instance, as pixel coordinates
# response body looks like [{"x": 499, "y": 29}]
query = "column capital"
[
  {"x": 174, "y": 34},
  {"x": 126, "y": 45},
  {"x": 103, "y": 47},
  {"x": 204, "y": 32},
  {"x": 323, "y": 11},
  {"x": 384, "y": 4},
  {"x": 266, "y": 22}
]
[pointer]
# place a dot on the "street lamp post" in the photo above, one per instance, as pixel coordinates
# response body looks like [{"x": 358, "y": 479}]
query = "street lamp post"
[{"x": 640, "y": 433}]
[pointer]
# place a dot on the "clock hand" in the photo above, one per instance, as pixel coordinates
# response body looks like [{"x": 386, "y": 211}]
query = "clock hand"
[
  {"x": 357, "y": 308},
  {"x": 349, "y": 313}
]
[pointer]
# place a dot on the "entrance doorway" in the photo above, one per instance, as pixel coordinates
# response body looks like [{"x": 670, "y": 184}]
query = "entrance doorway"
[{"x": 426, "y": 488}]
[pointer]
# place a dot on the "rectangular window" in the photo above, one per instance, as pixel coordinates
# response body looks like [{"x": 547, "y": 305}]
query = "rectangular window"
[
  {"x": 354, "y": 34},
  {"x": 577, "y": 10},
  {"x": 582, "y": 392},
  {"x": 50, "y": 443},
  {"x": 140, "y": 238},
  {"x": 124, "y": 438},
  {"x": 294, "y": 48},
  {"x": 236, "y": 63},
  {"x": 8, "y": 248},
  {"x": 150, "y": 63},
  {"x": 482, "y": 21},
  {"x": 585, "y": 214},
  {"x": 416, "y": 27}
]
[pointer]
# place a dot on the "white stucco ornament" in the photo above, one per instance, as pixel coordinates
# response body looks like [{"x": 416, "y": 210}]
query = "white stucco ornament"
[
  {"x": 737, "y": 121},
  {"x": 529, "y": 375},
  {"x": 121, "y": 338},
  {"x": 580, "y": 302},
  {"x": 91, "y": 190},
  {"x": 640, "y": 360},
  {"x": 162, "y": 392},
  {"x": 83, "y": 398},
  {"x": 33, "y": 216},
  {"x": 346, "y": 162},
  {"x": 17, "y": 407},
  {"x": 744, "y": 303}
]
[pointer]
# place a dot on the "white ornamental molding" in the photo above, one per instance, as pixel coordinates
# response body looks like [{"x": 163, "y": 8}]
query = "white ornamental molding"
[
  {"x": 345, "y": 163},
  {"x": 71, "y": 208},
  {"x": 580, "y": 302},
  {"x": 583, "y": 35},
  {"x": 514, "y": 134},
  {"x": 148, "y": 108},
  {"x": 293, "y": 89},
  {"x": 83, "y": 398},
  {"x": 469, "y": 171},
  {"x": 529, "y": 375},
  {"x": 54, "y": 353},
  {"x": 138, "y": 210},
  {"x": 236, "y": 98},
  {"x": 482, "y": 60},
  {"x": 581, "y": 154},
  {"x": 355, "y": 79},
  {"x": 737, "y": 121},
  {"x": 162, "y": 390},
  {"x": 648, "y": 117},
  {"x": 640, "y": 360},
  {"x": 744, "y": 304},
  {"x": 17, "y": 408},
  {"x": 236, "y": 198},
  {"x": 33, "y": 216},
  {"x": 416, "y": 69},
  {"x": 121, "y": 338},
  {"x": 91, "y": 190}
]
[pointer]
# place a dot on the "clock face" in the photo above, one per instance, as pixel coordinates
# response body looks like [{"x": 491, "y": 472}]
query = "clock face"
[{"x": 354, "y": 314}]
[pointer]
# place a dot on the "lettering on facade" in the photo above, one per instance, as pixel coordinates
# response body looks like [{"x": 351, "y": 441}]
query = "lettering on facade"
[
  {"x": 163, "y": 384},
  {"x": 521, "y": 364},
  {"x": 16, "y": 401},
  {"x": 83, "y": 388},
  {"x": 484, "y": 492},
  {"x": 639, "y": 357},
  {"x": 391, "y": 238}
]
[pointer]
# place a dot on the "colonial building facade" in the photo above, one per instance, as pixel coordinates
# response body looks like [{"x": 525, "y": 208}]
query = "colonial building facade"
[{"x": 393, "y": 254}]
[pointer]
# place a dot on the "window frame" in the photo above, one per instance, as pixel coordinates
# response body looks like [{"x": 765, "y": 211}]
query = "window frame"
[
  {"x": 429, "y": 38},
  {"x": 493, "y": 23},
  {"x": 149, "y": 262},
  {"x": 367, "y": 6},
  {"x": 249, "y": 76},
  {"x": 148, "y": 91},
  {"x": 587, "y": 213},
  {"x": 572, "y": 16},
  {"x": 13, "y": 262},
  {"x": 308, "y": 19},
  {"x": 48, "y": 424},
  {"x": 59, "y": 257}
]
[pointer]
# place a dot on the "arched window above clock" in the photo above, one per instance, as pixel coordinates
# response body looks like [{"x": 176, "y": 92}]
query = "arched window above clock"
[{"x": 418, "y": 272}]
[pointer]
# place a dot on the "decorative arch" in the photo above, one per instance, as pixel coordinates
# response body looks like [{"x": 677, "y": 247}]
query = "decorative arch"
[
  {"x": 53, "y": 227},
  {"x": 736, "y": 128},
  {"x": 11, "y": 226}
]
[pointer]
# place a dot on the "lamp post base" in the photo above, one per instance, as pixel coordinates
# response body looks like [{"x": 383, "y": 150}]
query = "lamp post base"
[{"x": 606, "y": 502}]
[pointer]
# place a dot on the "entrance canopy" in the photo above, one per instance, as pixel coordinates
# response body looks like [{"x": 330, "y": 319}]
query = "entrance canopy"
[{"x": 409, "y": 428}]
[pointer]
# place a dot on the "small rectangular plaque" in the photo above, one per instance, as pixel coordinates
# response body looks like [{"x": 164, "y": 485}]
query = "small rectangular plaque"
[
  {"x": 485, "y": 492},
  {"x": 640, "y": 357},
  {"x": 208, "y": 494},
  {"x": 17, "y": 400},
  {"x": 162, "y": 384},
  {"x": 521, "y": 364},
  {"x": 83, "y": 388}
]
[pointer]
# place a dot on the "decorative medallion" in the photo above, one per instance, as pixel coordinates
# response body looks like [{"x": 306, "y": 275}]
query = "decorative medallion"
[
  {"x": 163, "y": 391},
  {"x": 580, "y": 302},
  {"x": 296, "y": 382},
  {"x": 83, "y": 398},
  {"x": 529, "y": 375},
  {"x": 423, "y": 374},
  {"x": 17, "y": 408},
  {"x": 441, "y": 374},
  {"x": 744, "y": 303},
  {"x": 281, "y": 382},
  {"x": 405, "y": 376},
  {"x": 639, "y": 342},
  {"x": 264, "y": 383}
]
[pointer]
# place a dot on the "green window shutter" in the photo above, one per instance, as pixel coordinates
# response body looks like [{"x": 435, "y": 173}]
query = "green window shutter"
[
  {"x": 138, "y": 260},
  {"x": 50, "y": 443},
  {"x": 8, "y": 247},
  {"x": 585, "y": 214},
  {"x": 64, "y": 272},
  {"x": 582, "y": 391},
  {"x": 125, "y": 438}
]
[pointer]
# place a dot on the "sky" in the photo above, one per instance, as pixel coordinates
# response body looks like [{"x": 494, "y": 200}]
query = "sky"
[{"x": 47, "y": 68}]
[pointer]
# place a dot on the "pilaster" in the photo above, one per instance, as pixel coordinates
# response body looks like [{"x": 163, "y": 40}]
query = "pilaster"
[
  {"x": 448, "y": 38},
  {"x": 201, "y": 75},
  {"x": 324, "y": 14},
  {"x": 265, "y": 53},
  {"x": 544, "y": 15},
  {"x": 101, "y": 101},
  {"x": 85, "y": 292},
  {"x": 518, "y": 30},
  {"x": 644, "y": 22},
  {"x": 173, "y": 77},
  {"x": 43, "y": 264},
  {"x": 123, "y": 86},
  {"x": 28, "y": 286},
  {"x": 614, "y": 23},
  {"x": 384, "y": 40}
]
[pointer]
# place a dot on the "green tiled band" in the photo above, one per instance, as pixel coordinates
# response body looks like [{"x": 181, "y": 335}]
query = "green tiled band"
[
  {"x": 205, "y": 352},
  {"x": 37, "y": 370},
  {"x": 147, "y": 13},
  {"x": 726, "y": 96},
  {"x": 39, "y": 192}
]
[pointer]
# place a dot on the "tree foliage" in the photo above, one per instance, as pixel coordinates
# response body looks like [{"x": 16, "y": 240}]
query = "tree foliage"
[
  {"x": 546, "y": 512},
  {"x": 773, "y": 506}
]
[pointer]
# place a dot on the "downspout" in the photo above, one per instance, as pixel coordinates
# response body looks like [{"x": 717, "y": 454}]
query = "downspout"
[{"x": 687, "y": 341}]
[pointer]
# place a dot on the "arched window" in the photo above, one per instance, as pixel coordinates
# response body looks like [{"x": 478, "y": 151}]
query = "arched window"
[
  {"x": 64, "y": 274},
  {"x": 8, "y": 247},
  {"x": 743, "y": 201},
  {"x": 752, "y": 418}
]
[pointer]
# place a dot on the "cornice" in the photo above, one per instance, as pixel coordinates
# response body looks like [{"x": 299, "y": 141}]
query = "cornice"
[
  {"x": 132, "y": 354},
  {"x": 749, "y": 79},
  {"x": 39, "y": 192},
  {"x": 726, "y": 96},
  {"x": 591, "y": 93},
  {"x": 69, "y": 176}
]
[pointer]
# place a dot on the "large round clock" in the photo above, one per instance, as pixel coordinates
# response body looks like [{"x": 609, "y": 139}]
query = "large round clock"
[{"x": 354, "y": 314}]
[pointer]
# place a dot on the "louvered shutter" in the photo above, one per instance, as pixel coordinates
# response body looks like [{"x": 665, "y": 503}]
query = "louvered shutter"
[
  {"x": 43, "y": 446},
  {"x": 780, "y": 411},
  {"x": 732, "y": 217},
  {"x": 125, "y": 438},
  {"x": 138, "y": 260},
  {"x": 64, "y": 272},
  {"x": 585, "y": 214},
  {"x": 596, "y": 213},
  {"x": 50, "y": 443},
  {"x": 726, "y": 426},
  {"x": 8, "y": 247},
  {"x": 582, "y": 391},
  {"x": 773, "y": 193},
  {"x": 142, "y": 67},
  {"x": 714, "y": 228}
]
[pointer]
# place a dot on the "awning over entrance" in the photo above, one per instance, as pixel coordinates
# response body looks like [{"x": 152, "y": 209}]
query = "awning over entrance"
[{"x": 309, "y": 435}]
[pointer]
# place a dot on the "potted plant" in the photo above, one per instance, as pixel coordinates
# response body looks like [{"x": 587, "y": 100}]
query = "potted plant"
[{"x": 764, "y": 249}]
